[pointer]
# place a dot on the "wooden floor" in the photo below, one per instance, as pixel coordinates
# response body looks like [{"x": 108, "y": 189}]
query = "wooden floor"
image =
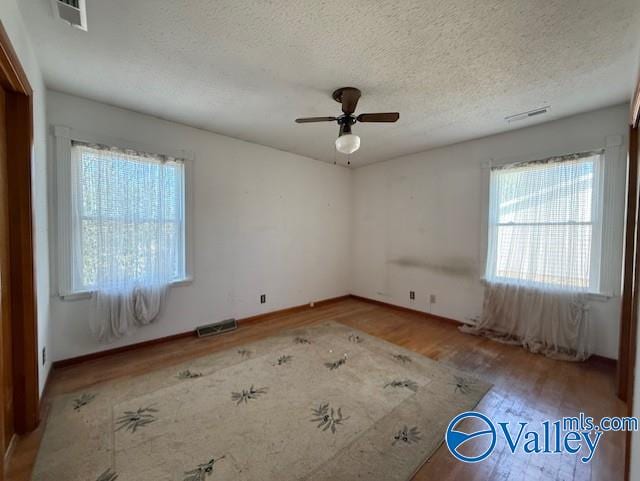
[{"x": 526, "y": 386}]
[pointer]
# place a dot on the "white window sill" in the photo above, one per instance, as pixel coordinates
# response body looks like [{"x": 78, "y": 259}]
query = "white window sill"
[
  {"x": 593, "y": 296},
  {"x": 80, "y": 295},
  {"x": 596, "y": 296}
]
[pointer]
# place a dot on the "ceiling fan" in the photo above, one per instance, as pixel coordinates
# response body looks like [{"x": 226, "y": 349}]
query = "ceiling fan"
[{"x": 347, "y": 142}]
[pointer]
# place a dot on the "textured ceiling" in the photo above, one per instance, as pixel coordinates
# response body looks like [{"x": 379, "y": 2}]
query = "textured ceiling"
[{"x": 247, "y": 68}]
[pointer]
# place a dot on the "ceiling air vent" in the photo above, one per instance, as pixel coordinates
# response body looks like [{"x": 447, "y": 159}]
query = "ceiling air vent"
[
  {"x": 74, "y": 12},
  {"x": 528, "y": 114}
]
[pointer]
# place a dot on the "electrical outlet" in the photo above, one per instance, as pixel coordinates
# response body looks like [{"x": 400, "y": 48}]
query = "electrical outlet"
[
  {"x": 44, "y": 356},
  {"x": 432, "y": 299},
  {"x": 263, "y": 298},
  {"x": 412, "y": 295}
]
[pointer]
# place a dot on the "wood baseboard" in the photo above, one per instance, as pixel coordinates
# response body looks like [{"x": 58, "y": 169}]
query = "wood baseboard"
[
  {"x": 291, "y": 310},
  {"x": 117, "y": 350},
  {"x": 595, "y": 357},
  {"x": 604, "y": 360},
  {"x": 45, "y": 392},
  {"x": 261, "y": 318},
  {"x": 407, "y": 309},
  {"x": 140, "y": 345}
]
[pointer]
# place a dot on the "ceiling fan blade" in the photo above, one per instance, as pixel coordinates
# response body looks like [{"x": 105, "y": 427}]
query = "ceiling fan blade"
[
  {"x": 379, "y": 117},
  {"x": 349, "y": 97},
  {"x": 314, "y": 119}
]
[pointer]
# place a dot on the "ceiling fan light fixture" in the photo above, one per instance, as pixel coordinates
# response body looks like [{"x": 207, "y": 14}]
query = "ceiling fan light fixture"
[{"x": 347, "y": 143}]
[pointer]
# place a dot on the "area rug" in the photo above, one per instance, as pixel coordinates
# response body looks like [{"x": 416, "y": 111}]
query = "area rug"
[{"x": 320, "y": 403}]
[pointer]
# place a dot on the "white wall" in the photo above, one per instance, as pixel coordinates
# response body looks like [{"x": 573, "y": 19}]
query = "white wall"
[
  {"x": 265, "y": 221},
  {"x": 418, "y": 220},
  {"x": 12, "y": 22},
  {"x": 301, "y": 230}
]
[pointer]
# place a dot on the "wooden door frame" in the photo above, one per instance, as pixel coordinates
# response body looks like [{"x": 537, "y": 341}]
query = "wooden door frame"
[
  {"x": 24, "y": 337},
  {"x": 631, "y": 278},
  {"x": 624, "y": 367}
]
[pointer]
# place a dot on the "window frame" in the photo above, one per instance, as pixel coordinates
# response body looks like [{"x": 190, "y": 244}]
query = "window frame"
[
  {"x": 64, "y": 136},
  {"x": 595, "y": 223},
  {"x": 613, "y": 184}
]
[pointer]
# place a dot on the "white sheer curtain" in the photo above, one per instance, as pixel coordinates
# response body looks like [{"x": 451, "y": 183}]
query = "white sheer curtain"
[
  {"x": 543, "y": 254},
  {"x": 128, "y": 233}
]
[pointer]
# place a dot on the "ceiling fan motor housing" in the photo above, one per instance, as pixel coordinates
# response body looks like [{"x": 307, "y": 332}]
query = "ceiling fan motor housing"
[
  {"x": 345, "y": 122},
  {"x": 337, "y": 94}
]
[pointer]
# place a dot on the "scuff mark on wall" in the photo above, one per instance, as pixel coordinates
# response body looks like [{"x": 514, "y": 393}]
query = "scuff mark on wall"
[{"x": 452, "y": 266}]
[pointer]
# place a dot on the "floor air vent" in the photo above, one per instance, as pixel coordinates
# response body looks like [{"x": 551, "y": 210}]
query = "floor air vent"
[{"x": 216, "y": 328}]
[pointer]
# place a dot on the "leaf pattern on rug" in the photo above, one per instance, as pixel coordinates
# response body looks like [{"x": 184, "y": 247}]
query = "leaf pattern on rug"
[
  {"x": 327, "y": 417},
  {"x": 188, "y": 374},
  {"x": 463, "y": 385},
  {"x": 402, "y": 358},
  {"x": 407, "y": 436},
  {"x": 82, "y": 401},
  {"x": 108, "y": 475},
  {"x": 202, "y": 471},
  {"x": 244, "y": 353},
  {"x": 335, "y": 364},
  {"x": 132, "y": 420},
  {"x": 355, "y": 339},
  {"x": 407, "y": 383},
  {"x": 246, "y": 394},
  {"x": 301, "y": 340},
  {"x": 284, "y": 359},
  {"x": 308, "y": 383}
]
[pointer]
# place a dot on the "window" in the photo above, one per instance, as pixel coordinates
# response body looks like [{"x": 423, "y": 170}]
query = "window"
[
  {"x": 545, "y": 223},
  {"x": 127, "y": 218}
]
